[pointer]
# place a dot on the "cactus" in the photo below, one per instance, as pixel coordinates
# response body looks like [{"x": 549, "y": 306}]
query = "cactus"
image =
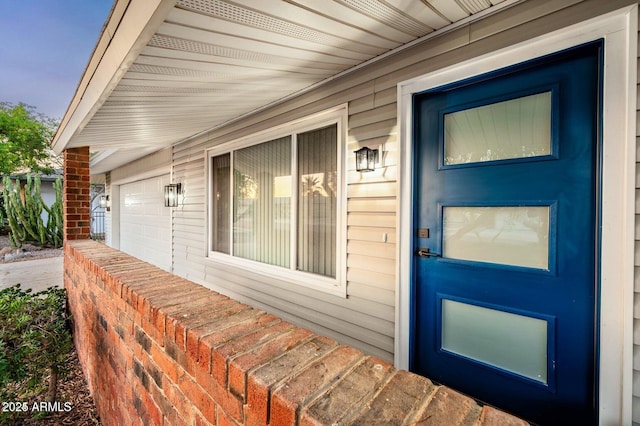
[
  {"x": 24, "y": 216},
  {"x": 3, "y": 218},
  {"x": 54, "y": 222}
]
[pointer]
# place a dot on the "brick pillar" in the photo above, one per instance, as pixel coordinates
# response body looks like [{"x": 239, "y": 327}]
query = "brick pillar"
[{"x": 76, "y": 189}]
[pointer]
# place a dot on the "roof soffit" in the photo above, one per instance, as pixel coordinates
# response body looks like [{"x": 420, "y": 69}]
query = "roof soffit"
[{"x": 179, "y": 68}]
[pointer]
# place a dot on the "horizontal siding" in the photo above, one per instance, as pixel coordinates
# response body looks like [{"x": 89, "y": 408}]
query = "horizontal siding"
[
  {"x": 361, "y": 233},
  {"x": 365, "y": 319}
]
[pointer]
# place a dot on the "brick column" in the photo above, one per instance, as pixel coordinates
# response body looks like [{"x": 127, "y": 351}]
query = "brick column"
[{"x": 76, "y": 189}]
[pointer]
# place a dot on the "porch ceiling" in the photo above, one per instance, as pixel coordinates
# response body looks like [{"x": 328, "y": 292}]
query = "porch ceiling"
[{"x": 165, "y": 70}]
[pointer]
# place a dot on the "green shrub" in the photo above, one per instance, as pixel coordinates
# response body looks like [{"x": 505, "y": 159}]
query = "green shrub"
[{"x": 35, "y": 340}]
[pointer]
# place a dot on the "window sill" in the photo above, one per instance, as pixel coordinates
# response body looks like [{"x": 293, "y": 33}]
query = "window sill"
[{"x": 333, "y": 286}]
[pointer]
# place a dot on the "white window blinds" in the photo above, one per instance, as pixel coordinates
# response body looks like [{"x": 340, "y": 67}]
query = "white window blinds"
[
  {"x": 261, "y": 215},
  {"x": 317, "y": 201},
  {"x": 252, "y": 215}
]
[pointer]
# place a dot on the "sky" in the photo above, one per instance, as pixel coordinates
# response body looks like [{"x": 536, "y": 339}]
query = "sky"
[{"x": 45, "y": 46}]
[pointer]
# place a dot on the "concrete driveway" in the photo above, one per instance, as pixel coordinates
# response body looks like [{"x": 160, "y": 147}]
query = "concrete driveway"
[{"x": 37, "y": 274}]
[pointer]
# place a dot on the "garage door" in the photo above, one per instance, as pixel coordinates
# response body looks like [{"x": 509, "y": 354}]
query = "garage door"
[{"x": 145, "y": 223}]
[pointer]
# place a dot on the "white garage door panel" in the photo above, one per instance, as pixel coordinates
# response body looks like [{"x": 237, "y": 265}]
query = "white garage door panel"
[{"x": 145, "y": 223}]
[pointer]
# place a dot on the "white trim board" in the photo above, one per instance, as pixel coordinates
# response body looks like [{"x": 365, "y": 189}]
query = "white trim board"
[
  {"x": 619, "y": 31},
  {"x": 155, "y": 172}
]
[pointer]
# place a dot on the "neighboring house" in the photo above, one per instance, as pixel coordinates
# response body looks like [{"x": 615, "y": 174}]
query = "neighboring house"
[
  {"x": 48, "y": 191},
  {"x": 493, "y": 246}
]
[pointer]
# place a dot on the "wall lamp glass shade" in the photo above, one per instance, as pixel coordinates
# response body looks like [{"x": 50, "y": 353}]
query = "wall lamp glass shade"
[
  {"x": 366, "y": 159},
  {"x": 104, "y": 202},
  {"x": 171, "y": 193}
]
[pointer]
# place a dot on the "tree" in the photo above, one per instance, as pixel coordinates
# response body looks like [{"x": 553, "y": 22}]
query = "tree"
[{"x": 24, "y": 140}]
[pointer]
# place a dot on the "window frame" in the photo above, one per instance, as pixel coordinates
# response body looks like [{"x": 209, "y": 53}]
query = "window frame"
[{"x": 335, "y": 116}]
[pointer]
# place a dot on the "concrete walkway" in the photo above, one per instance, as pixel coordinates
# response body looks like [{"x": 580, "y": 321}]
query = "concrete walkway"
[{"x": 37, "y": 274}]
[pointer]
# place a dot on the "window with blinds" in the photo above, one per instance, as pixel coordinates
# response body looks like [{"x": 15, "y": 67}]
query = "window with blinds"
[{"x": 276, "y": 202}]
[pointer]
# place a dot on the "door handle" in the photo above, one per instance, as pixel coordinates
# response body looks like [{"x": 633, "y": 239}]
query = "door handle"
[{"x": 425, "y": 252}]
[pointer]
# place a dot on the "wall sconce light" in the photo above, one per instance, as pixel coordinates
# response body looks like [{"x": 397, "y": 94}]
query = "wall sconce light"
[
  {"x": 171, "y": 193},
  {"x": 105, "y": 202},
  {"x": 366, "y": 159}
]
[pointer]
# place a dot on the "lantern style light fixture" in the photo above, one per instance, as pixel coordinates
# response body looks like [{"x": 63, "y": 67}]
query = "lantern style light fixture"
[
  {"x": 171, "y": 193},
  {"x": 366, "y": 159},
  {"x": 105, "y": 202}
]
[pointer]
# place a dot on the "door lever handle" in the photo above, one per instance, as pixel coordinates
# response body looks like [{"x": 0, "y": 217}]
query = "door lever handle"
[{"x": 425, "y": 252}]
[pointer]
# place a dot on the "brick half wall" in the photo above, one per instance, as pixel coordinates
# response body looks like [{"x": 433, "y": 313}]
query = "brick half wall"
[{"x": 157, "y": 349}]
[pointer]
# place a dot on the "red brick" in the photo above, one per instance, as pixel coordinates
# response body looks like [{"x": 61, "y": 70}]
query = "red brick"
[
  {"x": 289, "y": 397},
  {"x": 232, "y": 404},
  {"x": 221, "y": 355},
  {"x": 264, "y": 378},
  {"x": 170, "y": 329},
  {"x": 447, "y": 407},
  {"x": 492, "y": 417},
  {"x": 350, "y": 395},
  {"x": 158, "y": 287},
  {"x": 169, "y": 299},
  {"x": 222, "y": 318},
  {"x": 73, "y": 163},
  {"x": 168, "y": 365},
  {"x": 171, "y": 302},
  {"x": 204, "y": 315},
  {"x": 178, "y": 355},
  {"x": 151, "y": 330},
  {"x": 238, "y": 325},
  {"x": 149, "y": 412},
  {"x": 240, "y": 365},
  {"x": 132, "y": 288},
  {"x": 180, "y": 403},
  {"x": 194, "y": 393},
  {"x": 200, "y": 421},
  {"x": 172, "y": 309},
  {"x": 398, "y": 401},
  {"x": 224, "y": 420}
]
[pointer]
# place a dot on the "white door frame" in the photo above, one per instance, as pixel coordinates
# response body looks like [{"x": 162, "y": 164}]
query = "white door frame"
[{"x": 619, "y": 31}]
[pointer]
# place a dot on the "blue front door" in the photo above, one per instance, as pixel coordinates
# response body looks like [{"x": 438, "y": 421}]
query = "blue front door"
[{"x": 506, "y": 214}]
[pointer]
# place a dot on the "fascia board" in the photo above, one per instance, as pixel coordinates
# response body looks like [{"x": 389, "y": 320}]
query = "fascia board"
[{"x": 132, "y": 33}]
